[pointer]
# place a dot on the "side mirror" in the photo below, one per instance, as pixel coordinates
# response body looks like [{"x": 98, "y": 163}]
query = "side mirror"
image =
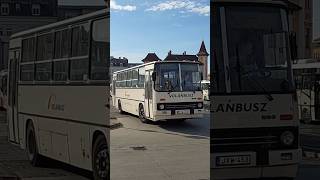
[{"x": 154, "y": 76}]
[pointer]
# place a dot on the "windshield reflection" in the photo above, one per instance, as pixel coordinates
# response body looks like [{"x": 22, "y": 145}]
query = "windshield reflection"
[{"x": 177, "y": 77}]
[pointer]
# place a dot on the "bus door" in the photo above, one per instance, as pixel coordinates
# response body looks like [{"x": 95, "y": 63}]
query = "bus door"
[
  {"x": 317, "y": 97},
  {"x": 13, "y": 122},
  {"x": 148, "y": 95},
  {"x": 113, "y": 92}
]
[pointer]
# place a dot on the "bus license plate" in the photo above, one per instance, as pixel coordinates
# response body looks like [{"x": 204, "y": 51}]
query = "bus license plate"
[
  {"x": 181, "y": 112},
  {"x": 233, "y": 160}
]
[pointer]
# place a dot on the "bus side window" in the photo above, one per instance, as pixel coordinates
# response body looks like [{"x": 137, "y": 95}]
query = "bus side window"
[
  {"x": 141, "y": 78},
  {"x": 79, "y": 65},
  {"x": 100, "y": 50},
  {"x": 44, "y": 52}
]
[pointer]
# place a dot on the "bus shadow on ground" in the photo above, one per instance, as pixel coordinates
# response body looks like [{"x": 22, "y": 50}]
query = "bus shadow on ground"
[
  {"x": 190, "y": 127},
  {"x": 54, "y": 164}
]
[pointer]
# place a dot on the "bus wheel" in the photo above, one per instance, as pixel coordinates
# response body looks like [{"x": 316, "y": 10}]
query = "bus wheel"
[
  {"x": 120, "y": 107},
  {"x": 142, "y": 115},
  {"x": 100, "y": 159},
  {"x": 32, "y": 148}
]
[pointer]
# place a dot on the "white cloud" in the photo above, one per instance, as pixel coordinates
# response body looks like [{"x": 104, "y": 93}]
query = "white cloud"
[
  {"x": 115, "y": 6},
  {"x": 183, "y": 5}
]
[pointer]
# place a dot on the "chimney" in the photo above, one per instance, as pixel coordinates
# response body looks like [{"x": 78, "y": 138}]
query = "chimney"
[
  {"x": 184, "y": 53},
  {"x": 169, "y": 53}
]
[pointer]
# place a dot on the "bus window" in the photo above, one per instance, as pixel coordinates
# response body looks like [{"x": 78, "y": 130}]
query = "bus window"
[
  {"x": 60, "y": 70},
  {"x": 45, "y": 47},
  {"x": 43, "y": 71},
  {"x": 79, "y": 66},
  {"x": 141, "y": 78},
  {"x": 100, "y": 50},
  {"x": 28, "y": 50},
  {"x": 27, "y": 72}
]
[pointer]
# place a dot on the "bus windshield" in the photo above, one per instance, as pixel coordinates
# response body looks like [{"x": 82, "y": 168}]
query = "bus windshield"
[
  {"x": 177, "y": 77},
  {"x": 258, "y": 49}
]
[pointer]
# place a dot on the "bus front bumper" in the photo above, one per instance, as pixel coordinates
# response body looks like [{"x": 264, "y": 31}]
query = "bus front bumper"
[
  {"x": 277, "y": 167},
  {"x": 180, "y": 114}
]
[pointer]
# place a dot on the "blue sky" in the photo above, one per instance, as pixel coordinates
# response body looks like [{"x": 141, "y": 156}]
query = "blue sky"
[{"x": 142, "y": 26}]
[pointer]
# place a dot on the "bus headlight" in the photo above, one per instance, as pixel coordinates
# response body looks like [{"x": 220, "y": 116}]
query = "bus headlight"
[
  {"x": 200, "y": 105},
  {"x": 161, "y": 106},
  {"x": 287, "y": 138}
]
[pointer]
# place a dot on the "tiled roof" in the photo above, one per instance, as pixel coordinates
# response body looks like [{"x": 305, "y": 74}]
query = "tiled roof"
[{"x": 151, "y": 57}]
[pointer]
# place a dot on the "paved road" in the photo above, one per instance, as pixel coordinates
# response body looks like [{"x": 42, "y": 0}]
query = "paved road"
[{"x": 162, "y": 151}]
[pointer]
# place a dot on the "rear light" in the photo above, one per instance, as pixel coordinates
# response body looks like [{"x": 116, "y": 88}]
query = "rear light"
[{"x": 286, "y": 117}]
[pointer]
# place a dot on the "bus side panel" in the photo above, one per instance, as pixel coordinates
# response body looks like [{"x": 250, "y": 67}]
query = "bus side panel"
[
  {"x": 80, "y": 145},
  {"x": 66, "y": 114},
  {"x": 130, "y": 99}
]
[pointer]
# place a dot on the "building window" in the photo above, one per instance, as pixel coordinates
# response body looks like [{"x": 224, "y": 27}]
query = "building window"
[
  {"x": 4, "y": 9},
  {"x": 9, "y": 32},
  {"x": 18, "y": 7},
  {"x": 35, "y": 9}
]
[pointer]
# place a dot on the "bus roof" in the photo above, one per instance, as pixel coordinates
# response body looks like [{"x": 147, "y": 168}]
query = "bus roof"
[
  {"x": 155, "y": 62},
  {"x": 60, "y": 23}
]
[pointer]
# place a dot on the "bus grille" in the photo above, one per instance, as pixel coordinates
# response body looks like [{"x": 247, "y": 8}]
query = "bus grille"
[
  {"x": 258, "y": 140},
  {"x": 178, "y": 106}
]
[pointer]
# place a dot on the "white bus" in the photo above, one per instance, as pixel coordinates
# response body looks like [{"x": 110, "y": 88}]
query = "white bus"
[
  {"x": 307, "y": 80},
  {"x": 254, "y": 119},
  {"x": 58, "y": 92},
  {"x": 205, "y": 86},
  {"x": 160, "y": 90}
]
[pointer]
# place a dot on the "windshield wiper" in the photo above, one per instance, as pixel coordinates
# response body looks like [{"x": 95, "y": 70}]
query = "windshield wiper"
[{"x": 239, "y": 69}]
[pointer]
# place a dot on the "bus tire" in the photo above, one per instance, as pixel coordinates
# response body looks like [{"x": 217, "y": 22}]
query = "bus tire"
[
  {"x": 100, "y": 159},
  {"x": 32, "y": 148},
  {"x": 120, "y": 107},
  {"x": 142, "y": 115}
]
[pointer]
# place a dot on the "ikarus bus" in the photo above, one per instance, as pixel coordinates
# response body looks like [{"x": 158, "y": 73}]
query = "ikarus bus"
[
  {"x": 58, "y": 92},
  {"x": 163, "y": 90},
  {"x": 254, "y": 121}
]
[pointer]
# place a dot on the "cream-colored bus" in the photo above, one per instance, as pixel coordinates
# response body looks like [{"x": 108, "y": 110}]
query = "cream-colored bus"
[
  {"x": 162, "y": 90},
  {"x": 58, "y": 92},
  {"x": 254, "y": 117}
]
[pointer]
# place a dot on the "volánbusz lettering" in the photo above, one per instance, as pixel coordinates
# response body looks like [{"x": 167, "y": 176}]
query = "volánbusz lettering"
[
  {"x": 241, "y": 107},
  {"x": 180, "y": 95}
]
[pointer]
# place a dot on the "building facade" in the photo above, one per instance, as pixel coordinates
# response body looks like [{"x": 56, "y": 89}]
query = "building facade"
[
  {"x": 117, "y": 64},
  {"x": 301, "y": 24},
  {"x": 70, "y": 11},
  {"x": 19, "y": 15}
]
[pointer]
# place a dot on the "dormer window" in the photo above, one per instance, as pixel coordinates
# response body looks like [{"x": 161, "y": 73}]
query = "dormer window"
[
  {"x": 35, "y": 9},
  {"x": 4, "y": 9}
]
